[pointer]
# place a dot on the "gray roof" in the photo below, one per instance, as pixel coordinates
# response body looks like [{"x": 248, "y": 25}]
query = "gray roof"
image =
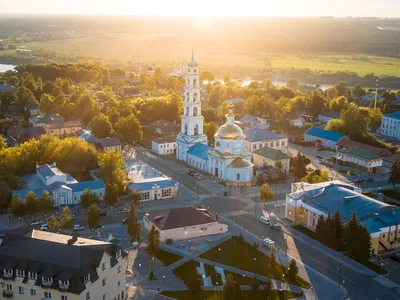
[
  {"x": 49, "y": 171},
  {"x": 258, "y": 135},
  {"x": 249, "y": 119},
  {"x": 331, "y": 114},
  {"x": 50, "y": 119},
  {"x": 109, "y": 142},
  {"x": 71, "y": 262}
]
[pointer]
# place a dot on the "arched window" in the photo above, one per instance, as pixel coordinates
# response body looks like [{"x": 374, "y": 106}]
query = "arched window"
[
  {"x": 195, "y": 111},
  {"x": 188, "y": 82},
  {"x": 187, "y": 111},
  {"x": 185, "y": 128},
  {"x": 194, "y": 83},
  {"x": 195, "y": 97},
  {"x": 187, "y": 96},
  {"x": 196, "y": 129},
  {"x": 218, "y": 144}
]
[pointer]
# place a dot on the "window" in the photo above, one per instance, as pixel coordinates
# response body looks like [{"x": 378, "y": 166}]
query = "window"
[
  {"x": 103, "y": 282},
  {"x": 145, "y": 196},
  {"x": 32, "y": 275},
  {"x": 313, "y": 222},
  {"x": 47, "y": 280},
  {"x": 254, "y": 147},
  {"x": 8, "y": 272},
  {"x": 103, "y": 266},
  {"x": 104, "y": 297},
  {"x": 119, "y": 284},
  {"x": 9, "y": 287},
  {"x": 166, "y": 192},
  {"x": 33, "y": 292},
  {"x": 237, "y": 176},
  {"x": 75, "y": 198},
  {"x": 88, "y": 295},
  {"x": 20, "y": 290},
  {"x": 64, "y": 297},
  {"x": 20, "y": 273},
  {"x": 119, "y": 269},
  {"x": 118, "y": 254},
  {"x": 87, "y": 278},
  {"x": 47, "y": 295},
  {"x": 63, "y": 283}
]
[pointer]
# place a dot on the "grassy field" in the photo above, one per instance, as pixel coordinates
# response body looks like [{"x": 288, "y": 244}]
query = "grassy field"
[
  {"x": 167, "y": 258},
  {"x": 391, "y": 194},
  {"x": 187, "y": 295}
]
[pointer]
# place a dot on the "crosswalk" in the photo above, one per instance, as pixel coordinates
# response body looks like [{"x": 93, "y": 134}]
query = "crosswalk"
[{"x": 386, "y": 282}]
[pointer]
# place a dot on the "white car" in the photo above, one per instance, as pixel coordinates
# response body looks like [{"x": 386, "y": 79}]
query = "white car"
[
  {"x": 78, "y": 228},
  {"x": 264, "y": 220},
  {"x": 267, "y": 242},
  {"x": 44, "y": 227},
  {"x": 35, "y": 223}
]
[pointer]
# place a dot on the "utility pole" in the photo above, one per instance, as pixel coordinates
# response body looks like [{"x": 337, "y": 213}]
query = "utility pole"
[{"x": 376, "y": 92}]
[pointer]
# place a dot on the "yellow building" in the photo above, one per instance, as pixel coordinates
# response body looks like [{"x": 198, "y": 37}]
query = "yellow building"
[
  {"x": 307, "y": 202},
  {"x": 44, "y": 265}
]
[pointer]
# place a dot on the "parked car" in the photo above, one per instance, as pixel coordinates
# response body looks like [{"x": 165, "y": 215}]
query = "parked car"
[
  {"x": 78, "y": 228},
  {"x": 369, "y": 179},
  {"x": 123, "y": 211},
  {"x": 102, "y": 212},
  {"x": 359, "y": 180},
  {"x": 276, "y": 227},
  {"x": 396, "y": 257},
  {"x": 264, "y": 220},
  {"x": 93, "y": 228},
  {"x": 44, "y": 227},
  {"x": 60, "y": 231},
  {"x": 267, "y": 242},
  {"x": 200, "y": 177},
  {"x": 35, "y": 223},
  {"x": 319, "y": 156}
]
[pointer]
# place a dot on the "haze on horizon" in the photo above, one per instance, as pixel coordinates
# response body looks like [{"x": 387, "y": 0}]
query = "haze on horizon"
[{"x": 208, "y": 8}]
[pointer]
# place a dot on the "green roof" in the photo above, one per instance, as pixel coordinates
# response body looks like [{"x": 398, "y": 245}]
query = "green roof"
[
  {"x": 272, "y": 153},
  {"x": 361, "y": 153}
]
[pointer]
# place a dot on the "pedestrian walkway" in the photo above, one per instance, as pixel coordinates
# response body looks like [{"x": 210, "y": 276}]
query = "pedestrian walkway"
[
  {"x": 202, "y": 272},
  {"x": 221, "y": 272},
  {"x": 386, "y": 282}
]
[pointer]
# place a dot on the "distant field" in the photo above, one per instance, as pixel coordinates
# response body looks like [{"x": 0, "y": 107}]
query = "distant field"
[{"x": 162, "y": 50}]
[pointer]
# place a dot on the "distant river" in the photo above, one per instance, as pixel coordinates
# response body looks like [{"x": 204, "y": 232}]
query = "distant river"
[{"x": 4, "y": 68}]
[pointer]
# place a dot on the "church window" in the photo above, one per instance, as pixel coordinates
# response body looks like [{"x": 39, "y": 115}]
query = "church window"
[
  {"x": 187, "y": 96},
  {"x": 185, "y": 128},
  {"x": 195, "y": 97},
  {"x": 194, "y": 83},
  {"x": 187, "y": 111},
  {"x": 196, "y": 129},
  {"x": 188, "y": 70},
  {"x": 188, "y": 82},
  {"x": 237, "y": 176},
  {"x": 218, "y": 144},
  {"x": 195, "y": 111},
  {"x": 227, "y": 146}
]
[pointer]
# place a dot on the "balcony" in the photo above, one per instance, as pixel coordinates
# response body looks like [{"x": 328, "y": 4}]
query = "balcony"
[
  {"x": 7, "y": 275},
  {"x": 8, "y": 293},
  {"x": 63, "y": 286},
  {"x": 46, "y": 283}
]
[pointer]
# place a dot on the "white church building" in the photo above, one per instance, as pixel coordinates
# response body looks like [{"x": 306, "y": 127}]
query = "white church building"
[{"x": 228, "y": 160}]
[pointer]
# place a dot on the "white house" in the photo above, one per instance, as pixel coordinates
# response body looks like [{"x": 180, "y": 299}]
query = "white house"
[
  {"x": 110, "y": 143},
  {"x": 391, "y": 125},
  {"x": 322, "y": 137},
  {"x": 164, "y": 145},
  {"x": 257, "y": 138},
  {"x": 64, "y": 189},
  {"x": 155, "y": 189},
  {"x": 360, "y": 159},
  {"x": 298, "y": 122},
  {"x": 184, "y": 223}
]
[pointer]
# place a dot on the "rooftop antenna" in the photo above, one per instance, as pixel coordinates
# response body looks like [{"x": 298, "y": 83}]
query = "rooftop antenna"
[{"x": 376, "y": 92}]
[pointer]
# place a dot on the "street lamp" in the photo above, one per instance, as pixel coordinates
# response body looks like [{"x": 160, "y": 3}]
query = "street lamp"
[
  {"x": 163, "y": 282},
  {"x": 255, "y": 259},
  {"x": 189, "y": 246}
]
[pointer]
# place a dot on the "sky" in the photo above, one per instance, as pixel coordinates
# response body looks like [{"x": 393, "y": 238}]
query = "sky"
[{"x": 208, "y": 8}]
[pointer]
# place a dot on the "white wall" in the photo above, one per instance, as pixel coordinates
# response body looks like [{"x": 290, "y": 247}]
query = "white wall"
[
  {"x": 280, "y": 144},
  {"x": 359, "y": 161},
  {"x": 163, "y": 148}
]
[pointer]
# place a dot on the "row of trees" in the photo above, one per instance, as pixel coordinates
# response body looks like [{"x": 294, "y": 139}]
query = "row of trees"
[{"x": 352, "y": 237}]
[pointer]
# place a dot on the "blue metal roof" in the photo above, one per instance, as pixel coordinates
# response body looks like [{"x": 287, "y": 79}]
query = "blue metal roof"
[
  {"x": 200, "y": 150},
  {"x": 371, "y": 96},
  {"x": 6, "y": 87},
  {"x": 324, "y": 134},
  {"x": 148, "y": 185},
  {"x": 393, "y": 115},
  {"x": 258, "y": 135}
]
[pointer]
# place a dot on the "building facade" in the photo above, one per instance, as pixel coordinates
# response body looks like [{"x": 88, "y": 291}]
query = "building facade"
[
  {"x": 271, "y": 157},
  {"x": 359, "y": 159},
  {"x": 184, "y": 223},
  {"x": 307, "y": 202},
  {"x": 298, "y": 122},
  {"x": 82, "y": 269},
  {"x": 110, "y": 143},
  {"x": 257, "y": 138},
  {"x": 391, "y": 125},
  {"x": 54, "y": 124},
  {"x": 156, "y": 190},
  {"x": 164, "y": 145},
  {"x": 323, "y": 138},
  {"x": 228, "y": 160},
  {"x": 64, "y": 189}
]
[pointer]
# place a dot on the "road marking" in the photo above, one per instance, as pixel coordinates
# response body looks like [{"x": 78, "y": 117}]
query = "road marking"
[{"x": 386, "y": 282}]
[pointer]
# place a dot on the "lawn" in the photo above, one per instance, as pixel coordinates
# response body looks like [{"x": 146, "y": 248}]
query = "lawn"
[
  {"x": 187, "y": 270},
  {"x": 251, "y": 259},
  {"x": 242, "y": 280},
  {"x": 313, "y": 235},
  {"x": 391, "y": 194},
  {"x": 187, "y": 295},
  {"x": 167, "y": 258},
  {"x": 361, "y": 65}
]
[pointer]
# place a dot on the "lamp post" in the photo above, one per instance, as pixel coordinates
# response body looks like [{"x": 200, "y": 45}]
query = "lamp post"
[
  {"x": 163, "y": 282},
  {"x": 340, "y": 271},
  {"x": 255, "y": 259},
  {"x": 189, "y": 247}
]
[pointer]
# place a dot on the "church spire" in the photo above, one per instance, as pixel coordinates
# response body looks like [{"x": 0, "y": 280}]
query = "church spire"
[{"x": 230, "y": 117}]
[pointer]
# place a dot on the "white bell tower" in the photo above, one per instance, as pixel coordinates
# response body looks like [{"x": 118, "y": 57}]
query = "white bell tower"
[{"x": 191, "y": 120}]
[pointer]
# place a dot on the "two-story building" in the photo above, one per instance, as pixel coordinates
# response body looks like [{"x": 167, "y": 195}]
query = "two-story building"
[
  {"x": 307, "y": 202},
  {"x": 257, "y": 138},
  {"x": 271, "y": 157},
  {"x": 44, "y": 265},
  {"x": 164, "y": 145},
  {"x": 359, "y": 159},
  {"x": 19, "y": 134},
  {"x": 64, "y": 189},
  {"x": 55, "y": 125},
  {"x": 110, "y": 143},
  {"x": 390, "y": 125}
]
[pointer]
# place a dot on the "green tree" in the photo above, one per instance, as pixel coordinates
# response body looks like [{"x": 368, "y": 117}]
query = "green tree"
[
  {"x": 129, "y": 128},
  {"x": 299, "y": 166},
  {"x": 3, "y": 144},
  {"x": 292, "y": 84},
  {"x": 337, "y": 231},
  {"x": 342, "y": 88},
  {"x": 320, "y": 229},
  {"x": 357, "y": 239},
  {"x": 45, "y": 202},
  {"x": 354, "y": 120},
  {"x": 47, "y": 103},
  {"x": 274, "y": 267},
  {"x": 316, "y": 176},
  {"x": 266, "y": 193},
  {"x": 5, "y": 195},
  {"x": 101, "y": 126},
  {"x": 267, "y": 291},
  {"x": 93, "y": 216},
  {"x": 134, "y": 195},
  {"x": 31, "y": 203},
  {"x": 338, "y": 104},
  {"x": 18, "y": 208},
  {"x": 88, "y": 198},
  {"x": 394, "y": 175},
  {"x": 207, "y": 75},
  {"x": 194, "y": 283},
  {"x": 332, "y": 92},
  {"x": 133, "y": 225},
  {"x": 231, "y": 290},
  {"x": 66, "y": 219},
  {"x": 210, "y": 129},
  {"x": 153, "y": 245},
  {"x": 52, "y": 223},
  {"x": 315, "y": 104},
  {"x": 357, "y": 91},
  {"x": 112, "y": 170},
  {"x": 336, "y": 125},
  {"x": 111, "y": 194},
  {"x": 292, "y": 271}
]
